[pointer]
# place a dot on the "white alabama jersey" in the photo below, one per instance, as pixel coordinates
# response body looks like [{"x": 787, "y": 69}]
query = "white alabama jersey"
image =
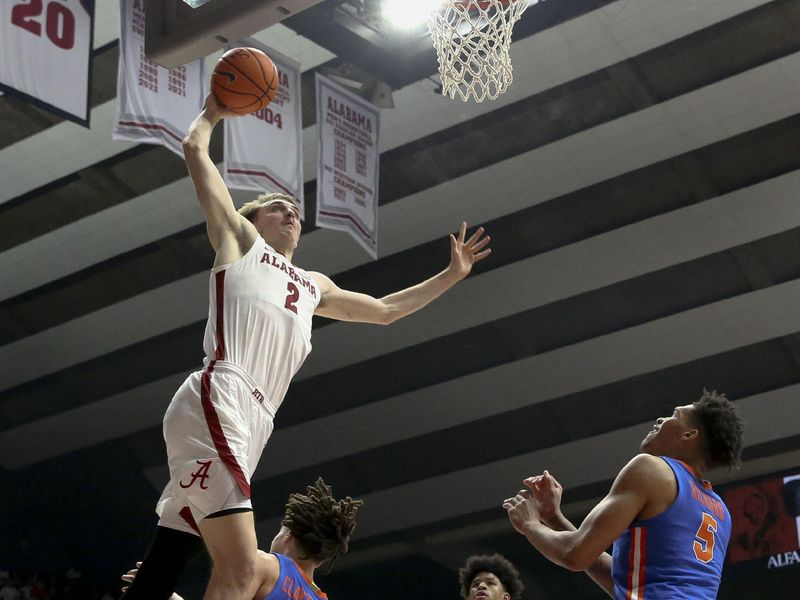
[{"x": 259, "y": 318}]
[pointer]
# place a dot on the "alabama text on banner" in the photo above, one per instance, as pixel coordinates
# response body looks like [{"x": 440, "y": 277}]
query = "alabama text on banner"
[
  {"x": 155, "y": 105},
  {"x": 347, "y": 163},
  {"x": 46, "y": 54},
  {"x": 264, "y": 150}
]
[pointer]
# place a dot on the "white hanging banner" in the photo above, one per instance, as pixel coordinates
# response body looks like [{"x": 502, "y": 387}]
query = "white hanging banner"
[
  {"x": 264, "y": 150},
  {"x": 46, "y": 54},
  {"x": 154, "y": 105},
  {"x": 347, "y": 163}
]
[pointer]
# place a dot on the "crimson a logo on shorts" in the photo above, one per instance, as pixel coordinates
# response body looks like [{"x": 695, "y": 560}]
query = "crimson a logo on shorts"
[{"x": 201, "y": 474}]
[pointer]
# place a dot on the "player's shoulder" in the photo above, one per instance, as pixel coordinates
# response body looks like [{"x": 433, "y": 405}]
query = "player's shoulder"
[
  {"x": 268, "y": 570},
  {"x": 646, "y": 469},
  {"x": 324, "y": 282},
  {"x": 268, "y": 561}
]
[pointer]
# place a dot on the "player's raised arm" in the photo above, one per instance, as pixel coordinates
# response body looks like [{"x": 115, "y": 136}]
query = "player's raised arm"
[
  {"x": 344, "y": 305},
  {"x": 546, "y": 492},
  {"x": 637, "y": 484},
  {"x": 222, "y": 220}
]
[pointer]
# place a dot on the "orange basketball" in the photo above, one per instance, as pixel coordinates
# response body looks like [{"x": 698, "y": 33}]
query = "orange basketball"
[{"x": 244, "y": 80}]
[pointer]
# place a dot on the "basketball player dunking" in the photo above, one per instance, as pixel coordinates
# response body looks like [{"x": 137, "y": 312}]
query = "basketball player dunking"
[
  {"x": 257, "y": 336},
  {"x": 668, "y": 527},
  {"x": 316, "y": 528}
]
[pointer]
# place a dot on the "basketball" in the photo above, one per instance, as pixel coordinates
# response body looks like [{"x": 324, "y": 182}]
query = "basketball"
[{"x": 244, "y": 80}]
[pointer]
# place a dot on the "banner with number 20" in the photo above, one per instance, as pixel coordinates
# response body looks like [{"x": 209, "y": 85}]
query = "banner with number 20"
[{"x": 46, "y": 53}]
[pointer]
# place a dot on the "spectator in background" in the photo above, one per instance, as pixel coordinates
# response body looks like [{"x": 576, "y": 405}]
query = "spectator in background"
[
  {"x": 10, "y": 590},
  {"x": 488, "y": 577}
]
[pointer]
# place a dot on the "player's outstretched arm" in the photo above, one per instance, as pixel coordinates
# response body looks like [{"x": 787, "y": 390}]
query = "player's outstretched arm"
[
  {"x": 577, "y": 550},
  {"x": 222, "y": 220},
  {"x": 547, "y": 492},
  {"x": 344, "y": 305}
]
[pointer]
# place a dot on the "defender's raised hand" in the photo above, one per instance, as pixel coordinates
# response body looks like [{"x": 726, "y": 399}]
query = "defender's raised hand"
[
  {"x": 547, "y": 494},
  {"x": 522, "y": 511},
  {"x": 466, "y": 252}
]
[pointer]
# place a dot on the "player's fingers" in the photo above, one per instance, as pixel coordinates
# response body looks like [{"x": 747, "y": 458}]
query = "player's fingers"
[
  {"x": 462, "y": 232},
  {"x": 474, "y": 237},
  {"x": 481, "y": 243},
  {"x": 551, "y": 480},
  {"x": 482, "y": 255}
]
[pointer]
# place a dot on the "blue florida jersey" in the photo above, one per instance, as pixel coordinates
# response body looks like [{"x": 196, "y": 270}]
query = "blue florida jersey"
[
  {"x": 679, "y": 553},
  {"x": 293, "y": 583}
]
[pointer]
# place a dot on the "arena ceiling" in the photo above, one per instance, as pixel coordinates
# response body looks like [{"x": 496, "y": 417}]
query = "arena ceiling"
[{"x": 640, "y": 183}]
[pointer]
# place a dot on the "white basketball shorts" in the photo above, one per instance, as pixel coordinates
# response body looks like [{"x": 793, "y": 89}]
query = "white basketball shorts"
[{"x": 215, "y": 428}]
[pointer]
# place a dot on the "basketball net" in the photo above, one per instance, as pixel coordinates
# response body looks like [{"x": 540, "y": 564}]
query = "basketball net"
[{"x": 472, "y": 41}]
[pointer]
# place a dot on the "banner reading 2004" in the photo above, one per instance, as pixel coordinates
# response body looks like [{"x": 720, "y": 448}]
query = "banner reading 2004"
[
  {"x": 347, "y": 164},
  {"x": 264, "y": 150}
]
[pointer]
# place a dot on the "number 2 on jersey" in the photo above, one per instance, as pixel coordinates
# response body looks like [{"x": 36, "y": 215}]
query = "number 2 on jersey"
[
  {"x": 294, "y": 296},
  {"x": 704, "y": 544}
]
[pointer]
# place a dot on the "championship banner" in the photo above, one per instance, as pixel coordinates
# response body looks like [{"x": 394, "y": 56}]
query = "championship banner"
[
  {"x": 46, "y": 54},
  {"x": 264, "y": 150},
  {"x": 347, "y": 163},
  {"x": 154, "y": 105}
]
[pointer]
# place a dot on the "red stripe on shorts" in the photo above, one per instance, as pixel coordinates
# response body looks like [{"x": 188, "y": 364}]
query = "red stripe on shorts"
[
  {"x": 186, "y": 513},
  {"x": 217, "y": 435},
  {"x": 212, "y": 419}
]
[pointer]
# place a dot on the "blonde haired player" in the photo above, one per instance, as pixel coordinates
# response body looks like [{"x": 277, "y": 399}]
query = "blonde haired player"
[{"x": 257, "y": 336}]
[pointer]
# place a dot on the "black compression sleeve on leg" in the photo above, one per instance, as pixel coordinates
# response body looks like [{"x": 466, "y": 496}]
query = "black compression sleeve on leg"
[{"x": 166, "y": 560}]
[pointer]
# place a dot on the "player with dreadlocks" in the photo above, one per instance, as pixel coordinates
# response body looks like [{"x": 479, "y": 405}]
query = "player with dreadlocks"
[{"x": 315, "y": 529}]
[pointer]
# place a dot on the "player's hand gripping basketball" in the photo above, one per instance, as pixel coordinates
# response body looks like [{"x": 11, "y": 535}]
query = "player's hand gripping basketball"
[
  {"x": 466, "y": 252},
  {"x": 547, "y": 494},
  {"x": 214, "y": 110}
]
